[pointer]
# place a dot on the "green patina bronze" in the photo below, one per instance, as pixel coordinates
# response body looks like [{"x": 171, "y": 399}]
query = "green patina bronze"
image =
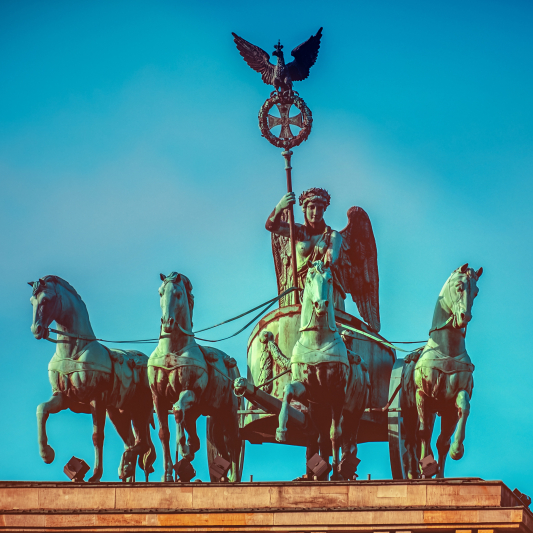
[
  {"x": 323, "y": 374},
  {"x": 350, "y": 254},
  {"x": 88, "y": 377},
  {"x": 192, "y": 380},
  {"x": 438, "y": 378}
]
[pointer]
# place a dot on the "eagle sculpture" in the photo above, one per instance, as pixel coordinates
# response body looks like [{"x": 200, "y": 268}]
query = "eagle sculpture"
[{"x": 281, "y": 75}]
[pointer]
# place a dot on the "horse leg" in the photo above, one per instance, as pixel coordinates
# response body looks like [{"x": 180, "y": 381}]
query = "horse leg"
[
  {"x": 426, "y": 419},
  {"x": 294, "y": 390},
  {"x": 55, "y": 404},
  {"x": 161, "y": 410},
  {"x": 462, "y": 402},
  {"x": 190, "y": 417},
  {"x": 98, "y": 410},
  {"x": 335, "y": 436},
  {"x": 311, "y": 450},
  {"x": 143, "y": 443},
  {"x": 149, "y": 457},
  {"x": 234, "y": 445},
  {"x": 185, "y": 403},
  {"x": 122, "y": 423},
  {"x": 320, "y": 415},
  {"x": 348, "y": 430},
  {"x": 410, "y": 422},
  {"x": 313, "y": 444},
  {"x": 448, "y": 422},
  {"x": 232, "y": 438},
  {"x": 432, "y": 417}
]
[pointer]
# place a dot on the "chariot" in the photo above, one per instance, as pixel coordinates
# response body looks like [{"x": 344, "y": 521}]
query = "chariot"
[
  {"x": 343, "y": 365},
  {"x": 270, "y": 345}
]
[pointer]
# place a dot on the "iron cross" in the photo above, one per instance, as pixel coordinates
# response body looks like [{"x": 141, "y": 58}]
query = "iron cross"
[{"x": 285, "y": 121}]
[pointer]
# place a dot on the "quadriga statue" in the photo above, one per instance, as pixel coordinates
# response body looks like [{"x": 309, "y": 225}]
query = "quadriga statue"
[
  {"x": 192, "y": 380},
  {"x": 88, "y": 377},
  {"x": 437, "y": 379}
]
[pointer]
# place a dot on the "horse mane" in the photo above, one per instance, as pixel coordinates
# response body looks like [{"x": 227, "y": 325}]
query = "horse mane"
[
  {"x": 59, "y": 281},
  {"x": 319, "y": 266},
  {"x": 176, "y": 277},
  {"x": 469, "y": 273}
]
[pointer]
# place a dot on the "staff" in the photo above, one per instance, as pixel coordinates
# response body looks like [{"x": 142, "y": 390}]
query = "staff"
[
  {"x": 281, "y": 76},
  {"x": 287, "y": 156}
]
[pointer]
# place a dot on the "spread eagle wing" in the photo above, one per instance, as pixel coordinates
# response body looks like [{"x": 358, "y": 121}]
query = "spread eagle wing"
[
  {"x": 358, "y": 266},
  {"x": 256, "y": 58},
  {"x": 304, "y": 57},
  {"x": 281, "y": 251}
]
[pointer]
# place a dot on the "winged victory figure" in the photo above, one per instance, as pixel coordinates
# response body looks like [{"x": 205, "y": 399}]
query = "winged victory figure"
[
  {"x": 351, "y": 253},
  {"x": 281, "y": 75}
]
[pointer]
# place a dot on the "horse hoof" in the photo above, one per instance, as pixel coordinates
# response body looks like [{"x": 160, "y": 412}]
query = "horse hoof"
[
  {"x": 127, "y": 472},
  {"x": 48, "y": 454},
  {"x": 95, "y": 479},
  {"x": 281, "y": 435},
  {"x": 194, "y": 443},
  {"x": 457, "y": 450},
  {"x": 183, "y": 451}
]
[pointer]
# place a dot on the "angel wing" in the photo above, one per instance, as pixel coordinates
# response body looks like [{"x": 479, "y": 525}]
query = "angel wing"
[
  {"x": 281, "y": 251},
  {"x": 304, "y": 57},
  {"x": 358, "y": 266},
  {"x": 256, "y": 58}
]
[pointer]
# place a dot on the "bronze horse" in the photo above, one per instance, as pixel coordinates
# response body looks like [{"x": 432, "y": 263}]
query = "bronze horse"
[
  {"x": 88, "y": 377},
  {"x": 192, "y": 380},
  {"x": 323, "y": 376},
  {"x": 438, "y": 377}
]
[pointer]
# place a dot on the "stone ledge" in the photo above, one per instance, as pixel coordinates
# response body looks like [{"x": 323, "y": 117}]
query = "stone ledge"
[
  {"x": 287, "y": 495},
  {"x": 384, "y": 506},
  {"x": 489, "y": 520}
]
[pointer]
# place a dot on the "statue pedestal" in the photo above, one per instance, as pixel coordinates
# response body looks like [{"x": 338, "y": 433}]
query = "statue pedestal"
[{"x": 458, "y": 505}]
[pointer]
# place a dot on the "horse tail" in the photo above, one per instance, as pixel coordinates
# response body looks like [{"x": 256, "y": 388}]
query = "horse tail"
[{"x": 222, "y": 434}]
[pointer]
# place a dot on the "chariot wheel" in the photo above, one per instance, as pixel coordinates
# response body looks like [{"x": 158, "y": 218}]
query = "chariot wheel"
[{"x": 396, "y": 431}]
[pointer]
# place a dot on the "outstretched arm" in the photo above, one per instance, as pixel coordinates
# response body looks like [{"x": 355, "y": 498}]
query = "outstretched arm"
[{"x": 274, "y": 223}]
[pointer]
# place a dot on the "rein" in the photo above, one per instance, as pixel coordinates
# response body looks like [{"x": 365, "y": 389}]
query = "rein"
[
  {"x": 381, "y": 341},
  {"x": 65, "y": 334},
  {"x": 442, "y": 326},
  {"x": 313, "y": 313},
  {"x": 264, "y": 307},
  {"x": 452, "y": 316}
]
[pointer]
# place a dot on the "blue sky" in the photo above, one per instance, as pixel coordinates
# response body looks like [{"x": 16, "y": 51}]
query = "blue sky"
[{"x": 129, "y": 146}]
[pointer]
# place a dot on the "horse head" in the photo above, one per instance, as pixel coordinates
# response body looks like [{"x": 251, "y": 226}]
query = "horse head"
[
  {"x": 317, "y": 297},
  {"x": 176, "y": 301},
  {"x": 46, "y": 306},
  {"x": 459, "y": 293}
]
